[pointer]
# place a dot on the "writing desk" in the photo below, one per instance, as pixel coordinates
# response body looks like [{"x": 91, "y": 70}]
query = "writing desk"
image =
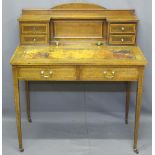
[{"x": 81, "y": 53}]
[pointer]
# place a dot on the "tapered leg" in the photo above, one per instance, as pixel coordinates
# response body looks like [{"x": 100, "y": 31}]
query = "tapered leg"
[
  {"x": 27, "y": 101},
  {"x": 138, "y": 109},
  {"x": 17, "y": 108},
  {"x": 128, "y": 87}
]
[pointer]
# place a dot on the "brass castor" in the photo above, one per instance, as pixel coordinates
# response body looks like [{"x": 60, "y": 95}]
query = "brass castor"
[
  {"x": 21, "y": 149},
  {"x": 30, "y": 120},
  {"x": 135, "y": 150}
]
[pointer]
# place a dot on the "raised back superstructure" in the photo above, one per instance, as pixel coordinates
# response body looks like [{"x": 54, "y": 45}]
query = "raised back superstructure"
[{"x": 80, "y": 22}]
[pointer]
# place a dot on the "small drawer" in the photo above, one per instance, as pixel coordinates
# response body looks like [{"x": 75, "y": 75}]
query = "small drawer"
[
  {"x": 34, "y": 28},
  {"x": 34, "y": 39},
  {"x": 122, "y": 28},
  {"x": 122, "y": 39},
  {"x": 108, "y": 74},
  {"x": 56, "y": 73}
]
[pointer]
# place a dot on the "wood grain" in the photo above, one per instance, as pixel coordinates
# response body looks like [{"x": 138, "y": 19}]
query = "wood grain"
[
  {"x": 17, "y": 107},
  {"x": 128, "y": 92}
]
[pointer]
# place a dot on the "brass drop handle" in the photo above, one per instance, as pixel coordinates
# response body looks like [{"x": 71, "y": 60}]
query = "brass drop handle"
[
  {"x": 47, "y": 75},
  {"x": 123, "y": 28},
  {"x": 109, "y": 74}
]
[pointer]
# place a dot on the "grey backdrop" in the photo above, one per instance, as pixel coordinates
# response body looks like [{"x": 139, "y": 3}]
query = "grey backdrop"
[{"x": 48, "y": 96}]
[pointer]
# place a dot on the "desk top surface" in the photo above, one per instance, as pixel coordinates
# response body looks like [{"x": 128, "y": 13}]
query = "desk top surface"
[{"x": 78, "y": 54}]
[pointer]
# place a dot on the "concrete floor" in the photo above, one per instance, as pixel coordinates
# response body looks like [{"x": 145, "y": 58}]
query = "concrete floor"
[{"x": 76, "y": 133}]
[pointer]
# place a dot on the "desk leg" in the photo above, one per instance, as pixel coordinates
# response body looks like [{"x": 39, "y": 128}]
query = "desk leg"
[
  {"x": 138, "y": 109},
  {"x": 17, "y": 108},
  {"x": 128, "y": 87},
  {"x": 27, "y": 101}
]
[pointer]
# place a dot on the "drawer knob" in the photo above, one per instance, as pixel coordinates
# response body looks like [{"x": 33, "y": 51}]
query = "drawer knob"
[
  {"x": 109, "y": 74},
  {"x": 47, "y": 74},
  {"x": 50, "y": 72},
  {"x": 123, "y": 28},
  {"x": 34, "y": 39},
  {"x": 42, "y": 72},
  {"x": 122, "y": 39}
]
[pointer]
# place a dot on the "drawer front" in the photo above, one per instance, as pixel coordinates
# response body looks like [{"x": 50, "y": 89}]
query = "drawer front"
[
  {"x": 108, "y": 74},
  {"x": 122, "y": 28},
  {"x": 122, "y": 39},
  {"x": 48, "y": 73},
  {"x": 34, "y": 28},
  {"x": 34, "y": 39}
]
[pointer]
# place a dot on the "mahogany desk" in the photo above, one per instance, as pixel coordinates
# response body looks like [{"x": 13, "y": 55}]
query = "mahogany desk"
[{"x": 78, "y": 42}]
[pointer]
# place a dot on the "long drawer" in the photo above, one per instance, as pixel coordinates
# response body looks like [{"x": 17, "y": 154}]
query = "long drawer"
[
  {"x": 34, "y": 28},
  {"x": 122, "y": 39},
  {"x": 108, "y": 74},
  {"x": 48, "y": 73},
  {"x": 122, "y": 28},
  {"x": 85, "y": 73},
  {"x": 34, "y": 39}
]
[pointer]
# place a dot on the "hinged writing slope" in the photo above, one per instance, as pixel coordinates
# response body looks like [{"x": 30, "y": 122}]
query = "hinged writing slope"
[{"x": 78, "y": 54}]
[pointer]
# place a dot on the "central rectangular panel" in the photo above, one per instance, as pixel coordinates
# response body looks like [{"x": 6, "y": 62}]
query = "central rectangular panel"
[{"x": 78, "y": 28}]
